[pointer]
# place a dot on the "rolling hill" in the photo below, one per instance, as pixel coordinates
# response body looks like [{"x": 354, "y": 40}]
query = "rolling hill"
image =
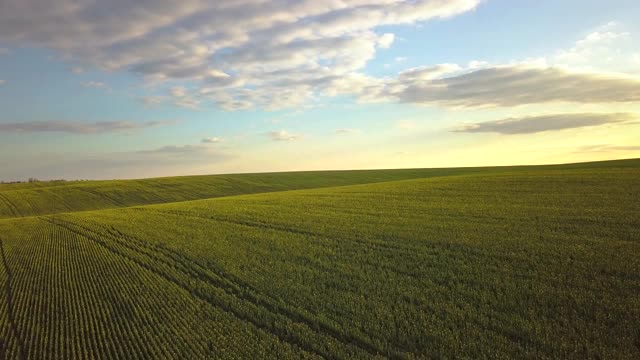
[{"x": 41, "y": 198}]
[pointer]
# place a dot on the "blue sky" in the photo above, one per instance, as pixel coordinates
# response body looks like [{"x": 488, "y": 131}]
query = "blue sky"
[{"x": 157, "y": 89}]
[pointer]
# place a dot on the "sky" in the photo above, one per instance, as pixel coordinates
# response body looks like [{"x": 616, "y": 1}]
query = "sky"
[{"x": 117, "y": 89}]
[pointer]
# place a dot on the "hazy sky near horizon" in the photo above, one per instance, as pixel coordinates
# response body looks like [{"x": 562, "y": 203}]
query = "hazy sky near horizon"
[{"x": 118, "y": 89}]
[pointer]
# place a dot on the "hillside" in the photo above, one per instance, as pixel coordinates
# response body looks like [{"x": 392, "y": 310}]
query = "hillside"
[
  {"x": 41, "y": 198},
  {"x": 20, "y": 200},
  {"x": 538, "y": 262}
]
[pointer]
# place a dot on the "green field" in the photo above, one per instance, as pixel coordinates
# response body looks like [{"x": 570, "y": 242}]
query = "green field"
[{"x": 518, "y": 262}]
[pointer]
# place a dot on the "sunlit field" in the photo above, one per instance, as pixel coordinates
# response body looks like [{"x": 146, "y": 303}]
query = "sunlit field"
[{"x": 522, "y": 262}]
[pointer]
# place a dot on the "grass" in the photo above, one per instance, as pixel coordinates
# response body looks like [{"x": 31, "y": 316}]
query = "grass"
[{"x": 536, "y": 262}]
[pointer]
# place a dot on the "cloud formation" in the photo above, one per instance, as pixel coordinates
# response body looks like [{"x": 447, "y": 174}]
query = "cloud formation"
[
  {"x": 79, "y": 127},
  {"x": 238, "y": 54},
  {"x": 508, "y": 86},
  {"x": 2, "y": 82},
  {"x": 283, "y": 135},
  {"x": 251, "y": 54},
  {"x": 345, "y": 131},
  {"x": 606, "y": 47},
  {"x": 211, "y": 140},
  {"x": 95, "y": 84},
  {"x": 536, "y": 124},
  {"x": 607, "y": 148},
  {"x": 177, "y": 149}
]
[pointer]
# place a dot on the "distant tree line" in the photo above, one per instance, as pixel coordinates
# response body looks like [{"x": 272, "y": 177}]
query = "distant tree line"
[{"x": 32, "y": 180}]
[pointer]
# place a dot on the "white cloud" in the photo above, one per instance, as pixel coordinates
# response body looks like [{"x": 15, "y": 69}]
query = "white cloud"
[
  {"x": 279, "y": 54},
  {"x": 244, "y": 53},
  {"x": 508, "y": 85},
  {"x": 478, "y": 64},
  {"x": 177, "y": 149},
  {"x": 80, "y": 127},
  {"x": 608, "y": 47},
  {"x": 2, "y": 82},
  {"x": 95, "y": 84},
  {"x": 178, "y": 91},
  {"x": 427, "y": 72},
  {"x": 77, "y": 70},
  {"x": 180, "y": 96},
  {"x": 600, "y": 68},
  {"x": 543, "y": 123},
  {"x": 188, "y": 102},
  {"x": 346, "y": 131},
  {"x": 211, "y": 140},
  {"x": 386, "y": 40},
  {"x": 283, "y": 135},
  {"x": 151, "y": 100},
  {"x": 607, "y": 148}
]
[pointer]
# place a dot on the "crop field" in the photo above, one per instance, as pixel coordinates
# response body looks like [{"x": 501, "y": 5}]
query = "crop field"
[
  {"x": 42, "y": 198},
  {"x": 520, "y": 262}
]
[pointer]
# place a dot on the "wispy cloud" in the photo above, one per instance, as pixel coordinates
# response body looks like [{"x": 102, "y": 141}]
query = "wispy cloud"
[
  {"x": 95, "y": 84},
  {"x": 211, "y": 140},
  {"x": 345, "y": 131},
  {"x": 151, "y": 100},
  {"x": 2, "y": 82},
  {"x": 178, "y": 91},
  {"x": 177, "y": 149},
  {"x": 283, "y": 135},
  {"x": 181, "y": 96},
  {"x": 511, "y": 85},
  {"x": 607, "y": 148},
  {"x": 187, "y": 102},
  {"x": 605, "y": 47},
  {"x": 79, "y": 127},
  {"x": 536, "y": 124}
]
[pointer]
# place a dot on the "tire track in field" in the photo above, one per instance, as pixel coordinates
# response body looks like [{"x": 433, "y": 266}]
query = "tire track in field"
[
  {"x": 382, "y": 245},
  {"x": 233, "y": 287},
  {"x": 95, "y": 237},
  {"x": 99, "y": 194},
  {"x": 3, "y": 349},
  {"x": 236, "y": 287},
  {"x": 10, "y": 205},
  {"x": 26, "y": 200},
  {"x": 9, "y": 296},
  {"x": 171, "y": 189},
  {"x": 336, "y": 334}
]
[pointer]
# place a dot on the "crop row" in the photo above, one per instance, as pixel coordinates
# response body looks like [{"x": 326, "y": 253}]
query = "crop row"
[{"x": 74, "y": 298}]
